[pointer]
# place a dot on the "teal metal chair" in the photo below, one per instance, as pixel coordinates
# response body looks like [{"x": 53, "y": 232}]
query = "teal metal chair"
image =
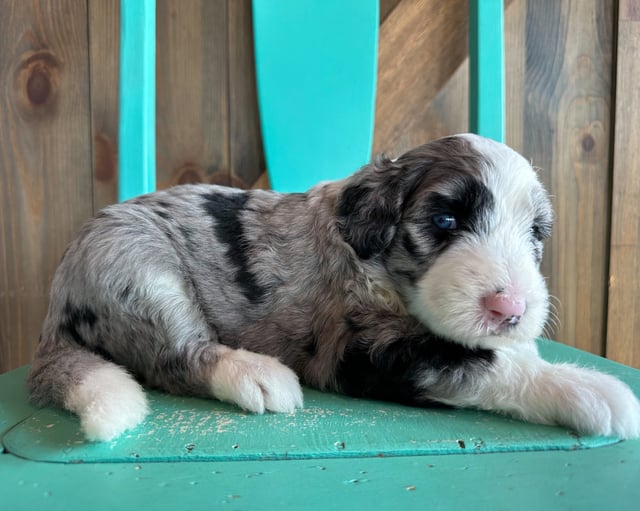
[{"x": 316, "y": 79}]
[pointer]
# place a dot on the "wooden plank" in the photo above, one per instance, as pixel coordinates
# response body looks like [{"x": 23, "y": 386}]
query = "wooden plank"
[
  {"x": 104, "y": 47},
  {"x": 414, "y": 37},
  {"x": 623, "y": 329},
  {"x": 515, "y": 62},
  {"x": 45, "y": 178},
  {"x": 245, "y": 143},
  {"x": 192, "y": 92},
  {"x": 566, "y": 133}
]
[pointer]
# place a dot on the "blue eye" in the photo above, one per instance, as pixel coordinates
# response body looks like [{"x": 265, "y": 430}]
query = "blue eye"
[{"x": 445, "y": 222}]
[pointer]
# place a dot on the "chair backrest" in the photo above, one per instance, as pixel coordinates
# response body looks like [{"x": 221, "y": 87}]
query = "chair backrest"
[
  {"x": 316, "y": 79},
  {"x": 486, "y": 69},
  {"x": 137, "y": 97}
]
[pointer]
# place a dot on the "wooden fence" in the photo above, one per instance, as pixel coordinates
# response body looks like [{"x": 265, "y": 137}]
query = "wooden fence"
[{"x": 573, "y": 109}]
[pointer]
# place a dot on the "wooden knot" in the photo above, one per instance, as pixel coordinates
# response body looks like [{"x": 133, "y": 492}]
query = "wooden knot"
[
  {"x": 588, "y": 143},
  {"x": 225, "y": 178},
  {"x": 189, "y": 174},
  {"x": 37, "y": 82}
]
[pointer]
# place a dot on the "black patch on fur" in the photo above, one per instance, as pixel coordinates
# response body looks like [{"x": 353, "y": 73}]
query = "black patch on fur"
[
  {"x": 99, "y": 350},
  {"x": 411, "y": 276},
  {"x": 162, "y": 214},
  {"x": 226, "y": 210},
  {"x": 540, "y": 230},
  {"x": 311, "y": 347},
  {"x": 391, "y": 373},
  {"x": 77, "y": 318},
  {"x": 351, "y": 199},
  {"x": 125, "y": 293},
  {"x": 409, "y": 245},
  {"x": 367, "y": 218},
  {"x": 166, "y": 230},
  {"x": 78, "y": 322},
  {"x": 353, "y": 327},
  {"x": 163, "y": 210},
  {"x": 470, "y": 203},
  {"x": 187, "y": 233}
]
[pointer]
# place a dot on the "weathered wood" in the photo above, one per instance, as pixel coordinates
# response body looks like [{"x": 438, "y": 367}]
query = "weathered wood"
[
  {"x": 104, "y": 48},
  {"x": 45, "y": 151},
  {"x": 192, "y": 92},
  {"x": 412, "y": 69},
  {"x": 262, "y": 182},
  {"x": 514, "y": 63},
  {"x": 245, "y": 144},
  {"x": 386, "y": 6},
  {"x": 559, "y": 68},
  {"x": 623, "y": 332},
  {"x": 566, "y": 133}
]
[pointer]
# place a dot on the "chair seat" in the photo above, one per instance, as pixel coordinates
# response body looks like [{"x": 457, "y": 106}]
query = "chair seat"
[
  {"x": 336, "y": 453},
  {"x": 329, "y": 426}
]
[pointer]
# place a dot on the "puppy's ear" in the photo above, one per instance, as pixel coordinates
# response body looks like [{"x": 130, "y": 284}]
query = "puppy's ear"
[{"x": 370, "y": 206}]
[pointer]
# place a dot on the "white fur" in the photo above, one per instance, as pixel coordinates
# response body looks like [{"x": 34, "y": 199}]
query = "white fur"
[
  {"x": 255, "y": 382},
  {"x": 182, "y": 321},
  {"x": 519, "y": 383},
  {"x": 108, "y": 401},
  {"x": 452, "y": 307},
  {"x": 523, "y": 385},
  {"x": 479, "y": 265}
]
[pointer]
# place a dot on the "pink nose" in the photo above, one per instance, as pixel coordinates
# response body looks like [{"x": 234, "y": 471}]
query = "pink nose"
[{"x": 505, "y": 308}]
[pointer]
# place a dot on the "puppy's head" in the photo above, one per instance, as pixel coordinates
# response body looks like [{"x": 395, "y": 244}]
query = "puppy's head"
[{"x": 458, "y": 223}]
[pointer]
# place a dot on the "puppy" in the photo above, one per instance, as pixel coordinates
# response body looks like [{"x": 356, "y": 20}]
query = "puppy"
[{"x": 415, "y": 280}]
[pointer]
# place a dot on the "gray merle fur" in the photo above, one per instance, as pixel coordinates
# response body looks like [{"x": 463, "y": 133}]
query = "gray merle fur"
[
  {"x": 284, "y": 275},
  {"x": 319, "y": 280}
]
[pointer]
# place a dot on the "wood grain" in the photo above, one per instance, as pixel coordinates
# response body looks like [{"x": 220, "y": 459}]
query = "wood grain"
[
  {"x": 45, "y": 178},
  {"x": 623, "y": 332},
  {"x": 515, "y": 41},
  {"x": 386, "y": 6},
  {"x": 245, "y": 144},
  {"x": 566, "y": 132},
  {"x": 104, "y": 47},
  {"x": 415, "y": 37},
  {"x": 192, "y": 96},
  {"x": 58, "y": 132}
]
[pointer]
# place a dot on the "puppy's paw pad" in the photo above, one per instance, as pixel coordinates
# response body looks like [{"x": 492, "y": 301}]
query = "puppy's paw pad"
[{"x": 256, "y": 382}]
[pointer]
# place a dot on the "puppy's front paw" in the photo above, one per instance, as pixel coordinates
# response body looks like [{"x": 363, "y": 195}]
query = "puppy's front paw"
[
  {"x": 597, "y": 404},
  {"x": 255, "y": 382}
]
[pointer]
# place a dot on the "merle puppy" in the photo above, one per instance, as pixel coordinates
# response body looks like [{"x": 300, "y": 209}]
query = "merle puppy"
[{"x": 414, "y": 280}]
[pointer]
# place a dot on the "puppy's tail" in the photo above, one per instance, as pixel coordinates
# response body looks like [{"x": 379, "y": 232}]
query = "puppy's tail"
[{"x": 105, "y": 396}]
